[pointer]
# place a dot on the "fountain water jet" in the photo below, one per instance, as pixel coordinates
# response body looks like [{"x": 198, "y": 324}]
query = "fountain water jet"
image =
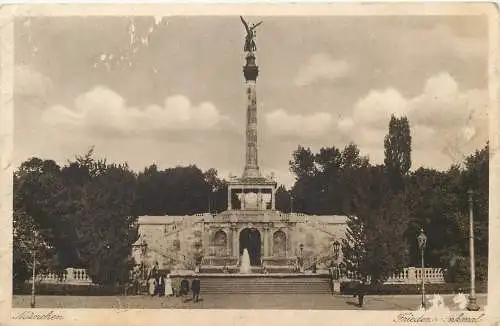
[
  {"x": 435, "y": 304},
  {"x": 245, "y": 263}
]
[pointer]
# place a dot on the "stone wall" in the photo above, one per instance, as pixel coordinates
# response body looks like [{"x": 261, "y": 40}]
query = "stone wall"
[{"x": 171, "y": 239}]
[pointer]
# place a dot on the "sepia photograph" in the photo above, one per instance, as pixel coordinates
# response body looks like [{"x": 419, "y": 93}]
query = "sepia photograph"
[{"x": 251, "y": 161}]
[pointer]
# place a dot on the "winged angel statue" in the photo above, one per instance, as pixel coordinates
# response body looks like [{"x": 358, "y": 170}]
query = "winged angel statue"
[{"x": 249, "y": 39}]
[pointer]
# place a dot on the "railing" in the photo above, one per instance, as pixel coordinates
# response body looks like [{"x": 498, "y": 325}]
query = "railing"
[
  {"x": 68, "y": 276},
  {"x": 409, "y": 275}
]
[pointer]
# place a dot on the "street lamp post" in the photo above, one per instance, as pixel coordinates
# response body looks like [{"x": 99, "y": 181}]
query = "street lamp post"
[
  {"x": 32, "y": 304},
  {"x": 301, "y": 247},
  {"x": 422, "y": 240},
  {"x": 336, "y": 253},
  {"x": 472, "y": 304}
]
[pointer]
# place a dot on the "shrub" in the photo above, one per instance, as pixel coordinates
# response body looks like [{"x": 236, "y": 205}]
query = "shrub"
[
  {"x": 78, "y": 290},
  {"x": 348, "y": 288}
]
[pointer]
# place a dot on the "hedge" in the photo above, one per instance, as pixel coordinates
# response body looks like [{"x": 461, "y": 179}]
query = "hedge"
[
  {"x": 78, "y": 290},
  {"x": 444, "y": 288}
]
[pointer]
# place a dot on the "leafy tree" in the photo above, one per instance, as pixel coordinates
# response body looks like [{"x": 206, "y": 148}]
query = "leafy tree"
[
  {"x": 28, "y": 241},
  {"x": 282, "y": 198},
  {"x": 178, "y": 191},
  {"x": 218, "y": 191},
  {"x": 375, "y": 245},
  {"x": 397, "y": 149},
  {"x": 38, "y": 194},
  {"x": 303, "y": 163},
  {"x": 105, "y": 225},
  {"x": 354, "y": 247}
]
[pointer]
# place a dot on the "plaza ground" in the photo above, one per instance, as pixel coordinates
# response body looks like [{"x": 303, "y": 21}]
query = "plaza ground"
[{"x": 234, "y": 301}]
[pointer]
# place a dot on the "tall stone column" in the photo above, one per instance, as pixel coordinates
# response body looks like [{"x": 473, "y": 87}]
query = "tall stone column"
[
  {"x": 271, "y": 243},
  {"x": 266, "y": 241},
  {"x": 251, "y": 71},
  {"x": 234, "y": 230},
  {"x": 229, "y": 204},
  {"x": 273, "y": 198}
]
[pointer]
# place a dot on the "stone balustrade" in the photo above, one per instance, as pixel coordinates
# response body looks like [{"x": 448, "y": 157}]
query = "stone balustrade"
[
  {"x": 68, "y": 276},
  {"x": 409, "y": 275}
]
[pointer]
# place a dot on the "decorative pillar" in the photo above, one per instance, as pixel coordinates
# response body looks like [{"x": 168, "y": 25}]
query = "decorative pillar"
[
  {"x": 228, "y": 241},
  {"x": 235, "y": 241},
  {"x": 259, "y": 199},
  {"x": 243, "y": 199},
  {"x": 229, "y": 197},
  {"x": 251, "y": 71},
  {"x": 266, "y": 241},
  {"x": 206, "y": 239},
  {"x": 273, "y": 198},
  {"x": 271, "y": 242}
]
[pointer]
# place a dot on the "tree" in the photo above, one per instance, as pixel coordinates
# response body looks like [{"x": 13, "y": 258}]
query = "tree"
[
  {"x": 106, "y": 227},
  {"x": 354, "y": 247},
  {"x": 397, "y": 149},
  {"x": 375, "y": 245},
  {"x": 303, "y": 163},
  {"x": 29, "y": 240},
  {"x": 177, "y": 191},
  {"x": 218, "y": 191},
  {"x": 283, "y": 200},
  {"x": 38, "y": 196}
]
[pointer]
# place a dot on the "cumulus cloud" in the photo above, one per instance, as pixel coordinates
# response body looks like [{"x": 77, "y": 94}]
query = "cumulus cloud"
[
  {"x": 321, "y": 66},
  {"x": 103, "y": 110},
  {"x": 282, "y": 123},
  {"x": 445, "y": 120},
  {"x": 29, "y": 82},
  {"x": 377, "y": 106}
]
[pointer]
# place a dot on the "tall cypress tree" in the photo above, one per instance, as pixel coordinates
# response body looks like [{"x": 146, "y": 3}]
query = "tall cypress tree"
[{"x": 397, "y": 150}]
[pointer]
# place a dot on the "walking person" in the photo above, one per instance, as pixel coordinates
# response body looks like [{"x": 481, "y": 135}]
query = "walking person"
[
  {"x": 152, "y": 286},
  {"x": 361, "y": 292},
  {"x": 161, "y": 286},
  {"x": 184, "y": 288},
  {"x": 168, "y": 286},
  {"x": 195, "y": 288},
  {"x": 330, "y": 280}
]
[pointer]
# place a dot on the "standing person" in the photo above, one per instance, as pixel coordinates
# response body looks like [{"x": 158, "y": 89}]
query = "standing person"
[
  {"x": 168, "y": 286},
  {"x": 161, "y": 286},
  {"x": 330, "y": 280},
  {"x": 152, "y": 286},
  {"x": 184, "y": 290},
  {"x": 196, "y": 287},
  {"x": 361, "y": 293}
]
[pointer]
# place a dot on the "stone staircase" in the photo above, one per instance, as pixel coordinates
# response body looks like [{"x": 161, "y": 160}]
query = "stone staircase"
[{"x": 264, "y": 285}]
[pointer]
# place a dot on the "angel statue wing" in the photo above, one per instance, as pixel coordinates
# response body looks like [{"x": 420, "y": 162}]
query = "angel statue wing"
[
  {"x": 246, "y": 25},
  {"x": 256, "y": 25}
]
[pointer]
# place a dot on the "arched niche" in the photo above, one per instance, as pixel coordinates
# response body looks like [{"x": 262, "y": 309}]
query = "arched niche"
[
  {"x": 220, "y": 243},
  {"x": 279, "y": 244}
]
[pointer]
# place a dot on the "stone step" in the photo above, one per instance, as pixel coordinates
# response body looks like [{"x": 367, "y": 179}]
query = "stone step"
[{"x": 265, "y": 285}]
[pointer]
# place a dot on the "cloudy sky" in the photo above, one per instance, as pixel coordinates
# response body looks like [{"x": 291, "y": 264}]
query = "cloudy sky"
[{"x": 170, "y": 90}]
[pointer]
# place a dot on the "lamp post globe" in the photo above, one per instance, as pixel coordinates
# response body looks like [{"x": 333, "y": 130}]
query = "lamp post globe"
[{"x": 422, "y": 242}]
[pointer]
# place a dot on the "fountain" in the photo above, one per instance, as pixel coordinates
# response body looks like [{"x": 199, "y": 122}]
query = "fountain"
[
  {"x": 245, "y": 263},
  {"x": 460, "y": 300},
  {"x": 436, "y": 304}
]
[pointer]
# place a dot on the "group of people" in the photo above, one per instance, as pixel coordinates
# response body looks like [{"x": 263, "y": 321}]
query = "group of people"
[
  {"x": 160, "y": 286},
  {"x": 195, "y": 288}
]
